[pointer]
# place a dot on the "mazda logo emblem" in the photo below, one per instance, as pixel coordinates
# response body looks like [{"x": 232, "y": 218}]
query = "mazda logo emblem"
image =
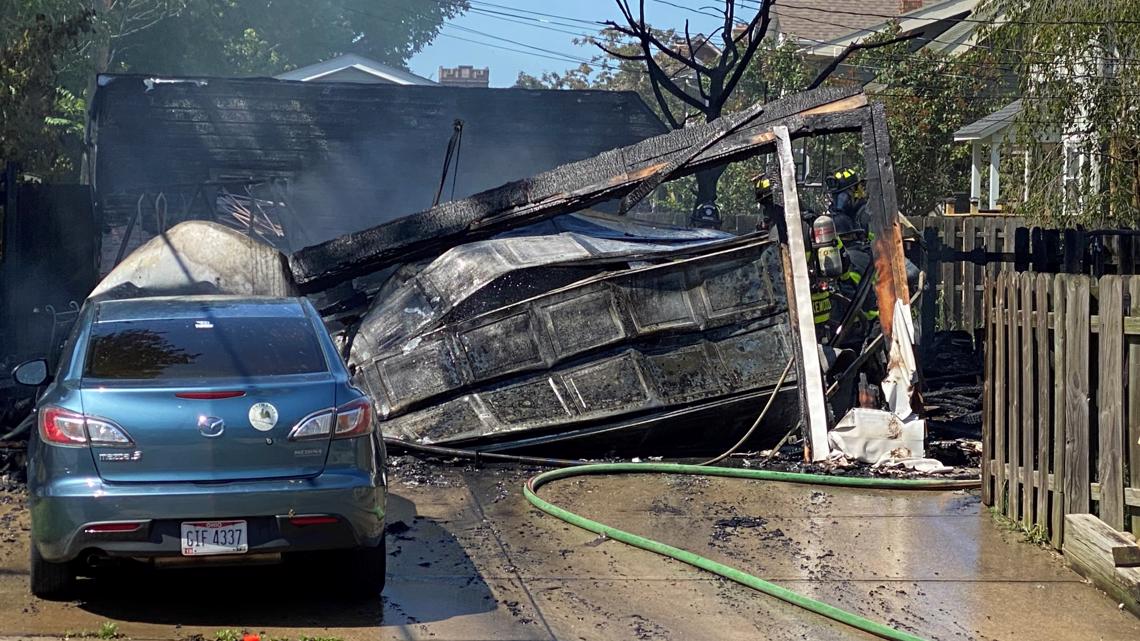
[{"x": 211, "y": 426}]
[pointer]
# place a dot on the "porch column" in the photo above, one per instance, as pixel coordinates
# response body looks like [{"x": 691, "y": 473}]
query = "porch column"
[
  {"x": 995, "y": 178},
  {"x": 976, "y": 173}
]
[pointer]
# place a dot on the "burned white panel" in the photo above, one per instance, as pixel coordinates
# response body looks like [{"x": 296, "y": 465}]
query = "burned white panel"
[
  {"x": 529, "y": 402},
  {"x": 419, "y": 374},
  {"x": 684, "y": 374},
  {"x": 733, "y": 362},
  {"x": 734, "y": 289},
  {"x": 607, "y": 385},
  {"x": 754, "y": 359},
  {"x": 660, "y": 301},
  {"x": 581, "y": 323},
  {"x": 501, "y": 347}
]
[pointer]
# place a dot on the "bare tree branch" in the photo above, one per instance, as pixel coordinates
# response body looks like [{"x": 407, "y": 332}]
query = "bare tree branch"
[
  {"x": 658, "y": 78},
  {"x": 637, "y": 32},
  {"x": 826, "y": 72},
  {"x": 655, "y": 83},
  {"x": 693, "y": 54},
  {"x": 757, "y": 29},
  {"x": 640, "y": 30},
  {"x": 658, "y": 75},
  {"x": 617, "y": 54}
]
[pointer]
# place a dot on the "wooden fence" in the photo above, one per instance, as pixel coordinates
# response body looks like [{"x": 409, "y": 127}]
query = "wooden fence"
[
  {"x": 961, "y": 252},
  {"x": 957, "y": 303},
  {"x": 1061, "y": 404}
]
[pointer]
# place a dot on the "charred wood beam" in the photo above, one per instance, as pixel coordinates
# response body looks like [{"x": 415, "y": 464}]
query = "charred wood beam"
[
  {"x": 653, "y": 182},
  {"x": 566, "y": 188},
  {"x": 890, "y": 262},
  {"x": 813, "y": 403}
]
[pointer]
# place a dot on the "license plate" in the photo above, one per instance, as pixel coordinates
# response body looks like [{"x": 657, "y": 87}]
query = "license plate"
[{"x": 202, "y": 538}]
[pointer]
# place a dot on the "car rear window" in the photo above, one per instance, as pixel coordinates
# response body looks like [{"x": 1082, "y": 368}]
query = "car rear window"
[{"x": 203, "y": 348}]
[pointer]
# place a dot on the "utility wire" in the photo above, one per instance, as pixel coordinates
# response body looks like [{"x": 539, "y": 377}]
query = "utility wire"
[
  {"x": 537, "y": 13},
  {"x": 528, "y": 22},
  {"x": 515, "y": 42}
]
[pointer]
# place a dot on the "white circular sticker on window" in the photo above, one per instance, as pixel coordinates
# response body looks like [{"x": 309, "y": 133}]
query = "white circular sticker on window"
[{"x": 263, "y": 416}]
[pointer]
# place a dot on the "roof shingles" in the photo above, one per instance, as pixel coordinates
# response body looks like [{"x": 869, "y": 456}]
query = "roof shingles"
[{"x": 817, "y": 21}]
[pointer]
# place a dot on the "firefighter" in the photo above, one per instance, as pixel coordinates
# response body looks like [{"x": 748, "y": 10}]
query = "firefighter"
[
  {"x": 705, "y": 216},
  {"x": 771, "y": 219},
  {"x": 848, "y": 197}
]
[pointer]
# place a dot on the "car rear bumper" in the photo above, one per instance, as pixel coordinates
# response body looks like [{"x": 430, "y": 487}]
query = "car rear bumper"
[{"x": 63, "y": 510}]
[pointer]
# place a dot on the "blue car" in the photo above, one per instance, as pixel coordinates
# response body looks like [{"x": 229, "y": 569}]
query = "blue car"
[{"x": 198, "y": 430}]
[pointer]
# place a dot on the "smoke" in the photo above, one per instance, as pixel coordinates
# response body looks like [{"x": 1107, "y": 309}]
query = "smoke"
[{"x": 352, "y": 155}]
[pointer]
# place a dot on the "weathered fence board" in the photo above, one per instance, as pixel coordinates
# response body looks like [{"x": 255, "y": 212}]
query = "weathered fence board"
[
  {"x": 1000, "y": 388},
  {"x": 1014, "y": 345},
  {"x": 1077, "y": 400},
  {"x": 1028, "y": 395},
  {"x": 1110, "y": 402},
  {"x": 1046, "y": 455},
  {"x": 969, "y": 274},
  {"x": 1133, "y": 397},
  {"x": 950, "y": 278},
  {"x": 1060, "y": 395},
  {"x": 987, "y": 399},
  {"x": 1044, "y": 404}
]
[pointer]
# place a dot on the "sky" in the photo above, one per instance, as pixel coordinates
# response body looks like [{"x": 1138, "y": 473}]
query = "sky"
[{"x": 485, "y": 35}]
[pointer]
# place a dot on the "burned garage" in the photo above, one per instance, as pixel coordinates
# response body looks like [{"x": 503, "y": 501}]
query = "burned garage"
[{"x": 301, "y": 343}]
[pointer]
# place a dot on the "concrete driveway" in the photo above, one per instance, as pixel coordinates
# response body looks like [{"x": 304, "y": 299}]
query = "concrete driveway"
[{"x": 470, "y": 560}]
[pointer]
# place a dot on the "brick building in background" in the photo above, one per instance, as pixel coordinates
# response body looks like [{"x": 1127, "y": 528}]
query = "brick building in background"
[{"x": 465, "y": 76}]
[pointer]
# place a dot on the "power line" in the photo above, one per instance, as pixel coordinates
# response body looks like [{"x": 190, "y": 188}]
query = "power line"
[
  {"x": 495, "y": 46},
  {"x": 536, "y": 13},
  {"x": 515, "y": 42},
  {"x": 526, "y": 21}
]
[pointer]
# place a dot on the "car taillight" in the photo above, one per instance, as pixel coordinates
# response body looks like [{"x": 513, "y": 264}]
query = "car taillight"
[
  {"x": 61, "y": 427},
  {"x": 350, "y": 420},
  {"x": 353, "y": 419},
  {"x": 72, "y": 429},
  {"x": 313, "y": 426}
]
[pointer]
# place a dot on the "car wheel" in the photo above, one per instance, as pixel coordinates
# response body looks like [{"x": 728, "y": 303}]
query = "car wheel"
[
  {"x": 366, "y": 569},
  {"x": 53, "y": 581}
]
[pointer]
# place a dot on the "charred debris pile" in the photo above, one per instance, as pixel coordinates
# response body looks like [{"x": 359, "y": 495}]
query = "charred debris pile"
[{"x": 524, "y": 317}]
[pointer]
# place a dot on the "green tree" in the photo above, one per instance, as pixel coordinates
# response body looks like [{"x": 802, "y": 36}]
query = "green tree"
[
  {"x": 36, "y": 116},
  {"x": 225, "y": 37},
  {"x": 234, "y": 37},
  {"x": 928, "y": 96},
  {"x": 1078, "y": 64}
]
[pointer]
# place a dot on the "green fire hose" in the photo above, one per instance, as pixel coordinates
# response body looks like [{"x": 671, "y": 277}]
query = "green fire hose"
[{"x": 530, "y": 490}]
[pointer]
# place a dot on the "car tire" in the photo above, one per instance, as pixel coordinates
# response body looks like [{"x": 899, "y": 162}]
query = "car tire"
[
  {"x": 51, "y": 581},
  {"x": 366, "y": 569}
]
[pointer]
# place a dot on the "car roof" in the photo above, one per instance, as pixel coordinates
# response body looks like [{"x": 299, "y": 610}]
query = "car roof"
[{"x": 183, "y": 307}]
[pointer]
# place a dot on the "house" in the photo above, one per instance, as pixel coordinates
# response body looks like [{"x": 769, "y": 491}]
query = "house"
[
  {"x": 990, "y": 132},
  {"x": 815, "y": 22},
  {"x": 937, "y": 24},
  {"x": 354, "y": 68},
  {"x": 465, "y": 76}
]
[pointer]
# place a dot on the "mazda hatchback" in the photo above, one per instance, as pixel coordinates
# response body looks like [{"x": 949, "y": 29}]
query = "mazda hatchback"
[{"x": 199, "y": 430}]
